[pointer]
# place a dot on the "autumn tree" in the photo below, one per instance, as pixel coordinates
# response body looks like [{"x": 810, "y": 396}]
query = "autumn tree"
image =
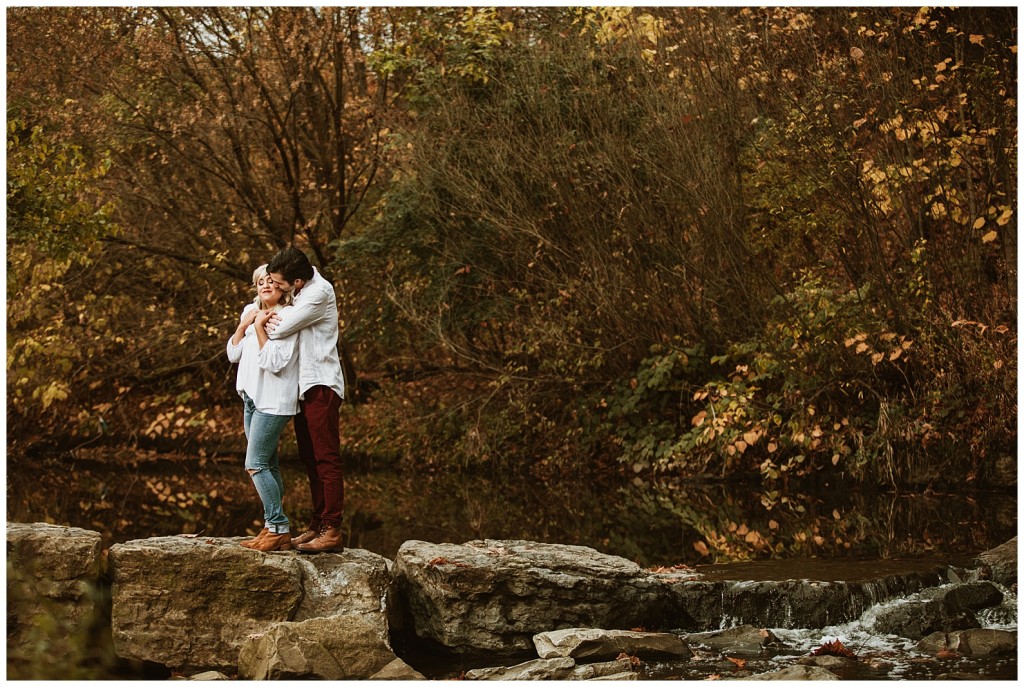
[{"x": 230, "y": 134}]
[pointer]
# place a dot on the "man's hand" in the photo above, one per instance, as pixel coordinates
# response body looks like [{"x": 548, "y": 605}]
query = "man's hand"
[{"x": 273, "y": 322}]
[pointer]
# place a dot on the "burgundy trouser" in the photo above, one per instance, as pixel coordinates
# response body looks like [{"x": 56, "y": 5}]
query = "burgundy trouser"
[{"x": 316, "y": 432}]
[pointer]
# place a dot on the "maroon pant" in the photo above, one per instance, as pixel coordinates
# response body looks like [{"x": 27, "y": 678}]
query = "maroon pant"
[{"x": 316, "y": 432}]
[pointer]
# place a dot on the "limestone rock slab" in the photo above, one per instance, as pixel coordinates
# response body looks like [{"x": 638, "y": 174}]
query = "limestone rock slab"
[
  {"x": 1002, "y": 562},
  {"x": 975, "y": 642},
  {"x": 345, "y": 646},
  {"x": 742, "y": 639},
  {"x": 190, "y": 602},
  {"x": 592, "y": 643},
  {"x": 493, "y": 596},
  {"x": 797, "y": 672}
]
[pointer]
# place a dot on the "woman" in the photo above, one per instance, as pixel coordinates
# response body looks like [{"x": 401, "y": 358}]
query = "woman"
[{"x": 268, "y": 382}]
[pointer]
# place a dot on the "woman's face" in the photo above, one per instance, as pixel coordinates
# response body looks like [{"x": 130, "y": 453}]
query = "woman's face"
[{"x": 269, "y": 292}]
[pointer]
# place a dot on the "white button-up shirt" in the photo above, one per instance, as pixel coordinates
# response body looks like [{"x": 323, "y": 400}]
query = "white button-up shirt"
[
  {"x": 270, "y": 376},
  {"x": 314, "y": 315}
]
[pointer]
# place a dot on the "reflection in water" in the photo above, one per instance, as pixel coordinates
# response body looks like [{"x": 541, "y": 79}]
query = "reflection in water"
[{"x": 662, "y": 523}]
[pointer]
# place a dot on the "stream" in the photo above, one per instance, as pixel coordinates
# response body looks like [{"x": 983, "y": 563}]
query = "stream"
[{"x": 654, "y": 523}]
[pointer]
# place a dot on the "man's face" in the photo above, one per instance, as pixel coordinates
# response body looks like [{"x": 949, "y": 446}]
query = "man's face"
[{"x": 284, "y": 285}]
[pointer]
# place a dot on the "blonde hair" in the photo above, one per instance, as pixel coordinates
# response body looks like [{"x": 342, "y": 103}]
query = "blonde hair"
[{"x": 286, "y": 298}]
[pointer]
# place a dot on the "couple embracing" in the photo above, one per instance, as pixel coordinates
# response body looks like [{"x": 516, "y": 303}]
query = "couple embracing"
[{"x": 286, "y": 349}]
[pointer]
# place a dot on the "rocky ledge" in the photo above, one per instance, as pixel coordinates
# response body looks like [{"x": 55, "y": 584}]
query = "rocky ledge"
[{"x": 206, "y": 606}]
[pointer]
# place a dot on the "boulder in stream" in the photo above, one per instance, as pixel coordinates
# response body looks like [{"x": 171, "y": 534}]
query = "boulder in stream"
[
  {"x": 493, "y": 596},
  {"x": 54, "y": 600},
  {"x": 561, "y": 668},
  {"x": 398, "y": 670},
  {"x": 797, "y": 672},
  {"x": 349, "y": 645},
  {"x": 596, "y": 644},
  {"x": 974, "y": 642},
  {"x": 1001, "y": 562},
  {"x": 940, "y": 609},
  {"x": 189, "y": 603},
  {"x": 742, "y": 640}
]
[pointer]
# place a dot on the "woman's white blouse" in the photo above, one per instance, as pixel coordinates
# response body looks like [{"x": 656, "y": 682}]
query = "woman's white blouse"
[{"x": 270, "y": 376}]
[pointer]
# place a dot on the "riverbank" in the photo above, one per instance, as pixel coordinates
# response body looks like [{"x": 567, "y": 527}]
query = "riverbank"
[{"x": 196, "y": 604}]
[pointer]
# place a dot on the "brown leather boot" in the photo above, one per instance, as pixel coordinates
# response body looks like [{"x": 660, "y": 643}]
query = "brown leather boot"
[
  {"x": 329, "y": 539},
  {"x": 274, "y": 542},
  {"x": 247, "y": 543},
  {"x": 307, "y": 536}
]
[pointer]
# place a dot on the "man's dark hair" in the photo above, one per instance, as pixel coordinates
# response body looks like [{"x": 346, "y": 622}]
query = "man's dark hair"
[{"x": 291, "y": 263}]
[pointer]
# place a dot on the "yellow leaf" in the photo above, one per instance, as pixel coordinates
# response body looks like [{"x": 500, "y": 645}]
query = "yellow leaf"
[
  {"x": 861, "y": 347},
  {"x": 835, "y": 459},
  {"x": 896, "y": 354},
  {"x": 741, "y": 446},
  {"x": 989, "y": 237},
  {"x": 979, "y": 223},
  {"x": 701, "y": 548},
  {"x": 751, "y": 437},
  {"x": 941, "y": 66},
  {"x": 1005, "y": 216},
  {"x": 877, "y": 358},
  {"x": 698, "y": 419},
  {"x": 772, "y": 525},
  {"x": 977, "y": 39},
  {"x": 772, "y": 447}
]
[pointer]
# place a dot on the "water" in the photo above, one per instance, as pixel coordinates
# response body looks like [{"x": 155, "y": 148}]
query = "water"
[
  {"x": 824, "y": 533},
  {"x": 127, "y": 495}
]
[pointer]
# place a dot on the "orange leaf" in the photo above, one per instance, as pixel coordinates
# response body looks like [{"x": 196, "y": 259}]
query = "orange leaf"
[
  {"x": 834, "y": 648},
  {"x": 740, "y": 662}
]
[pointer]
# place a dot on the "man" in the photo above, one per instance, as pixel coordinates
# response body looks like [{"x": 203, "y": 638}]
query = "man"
[{"x": 321, "y": 388}]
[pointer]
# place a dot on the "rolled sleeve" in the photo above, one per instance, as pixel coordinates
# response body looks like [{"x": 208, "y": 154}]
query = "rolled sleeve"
[{"x": 309, "y": 310}]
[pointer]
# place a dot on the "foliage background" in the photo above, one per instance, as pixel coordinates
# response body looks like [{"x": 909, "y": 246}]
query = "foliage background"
[{"x": 736, "y": 243}]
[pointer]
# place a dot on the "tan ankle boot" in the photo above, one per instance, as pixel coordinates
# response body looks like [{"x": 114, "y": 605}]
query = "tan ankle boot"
[
  {"x": 307, "y": 536},
  {"x": 248, "y": 543},
  {"x": 274, "y": 542},
  {"x": 329, "y": 539}
]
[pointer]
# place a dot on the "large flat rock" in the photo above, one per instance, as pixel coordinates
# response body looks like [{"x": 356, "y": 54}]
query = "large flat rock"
[
  {"x": 493, "y": 596},
  {"x": 190, "y": 602}
]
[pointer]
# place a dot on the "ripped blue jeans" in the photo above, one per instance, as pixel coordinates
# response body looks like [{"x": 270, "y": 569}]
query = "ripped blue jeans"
[{"x": 263, "y": 432}]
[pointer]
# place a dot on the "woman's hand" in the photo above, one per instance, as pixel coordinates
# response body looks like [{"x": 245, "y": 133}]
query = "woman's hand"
[{"x": 262, "y": 317}]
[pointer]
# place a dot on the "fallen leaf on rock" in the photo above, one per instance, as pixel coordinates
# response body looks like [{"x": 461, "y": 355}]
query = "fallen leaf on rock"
[
  {"x": 947, "y": 653},
  {"x": 714, "y": 676},
  {"x": 834, "y": 648},
  {"x": 741, "y": 663},
  {"x": 634, "y": 660},
  {"x": 638, "y": 629}
]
